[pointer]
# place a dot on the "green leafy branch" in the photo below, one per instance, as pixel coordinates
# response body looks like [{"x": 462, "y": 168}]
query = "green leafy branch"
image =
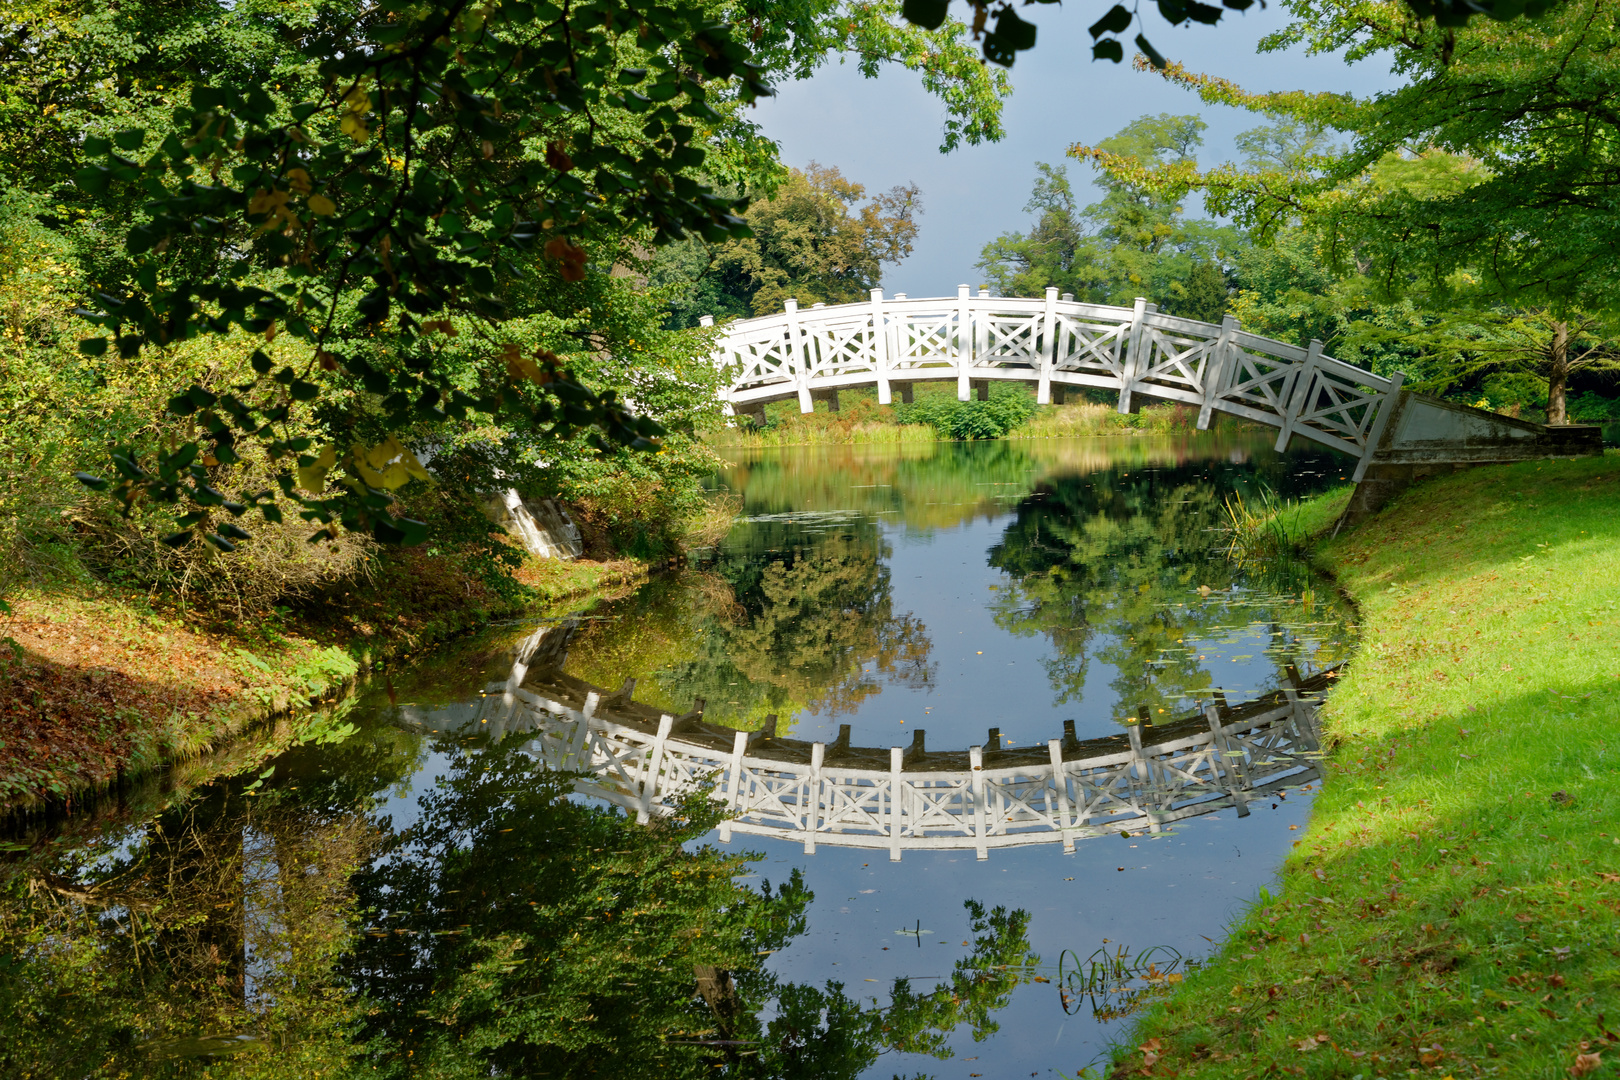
[
  {"x": 446, "y": 154},
  {"x": 1012, "y": 34}
]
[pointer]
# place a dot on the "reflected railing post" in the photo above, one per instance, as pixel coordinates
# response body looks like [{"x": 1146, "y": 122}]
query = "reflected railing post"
[{"x": 894, "y": 798}]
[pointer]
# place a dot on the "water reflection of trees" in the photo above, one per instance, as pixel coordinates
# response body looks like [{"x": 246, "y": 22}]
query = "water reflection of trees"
[
  {"x": 1106, "y": 567},
  {"x": 508, "y": 930},
  {"x": 923, "y": 486},
  {"x": 781, "y": 621},
  {"x": 211, "y": 929},
  {"x": 517, "y": 932}
]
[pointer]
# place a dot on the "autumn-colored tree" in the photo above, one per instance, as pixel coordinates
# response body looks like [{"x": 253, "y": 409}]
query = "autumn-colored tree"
[{"x": 817, "y": 239}]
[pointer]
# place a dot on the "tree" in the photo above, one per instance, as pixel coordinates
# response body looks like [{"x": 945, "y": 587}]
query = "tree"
[
  {"x": 1485, "y": 181},
  {"x": 1133, "y": 242},
  {"x": 816, "y": 238},
  {"x": 1011, "y": 34},
  {"x": 358, "y": 187}
]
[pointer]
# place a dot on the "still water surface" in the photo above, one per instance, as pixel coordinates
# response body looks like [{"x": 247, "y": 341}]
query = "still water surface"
[{"x": 502, "y": 924}]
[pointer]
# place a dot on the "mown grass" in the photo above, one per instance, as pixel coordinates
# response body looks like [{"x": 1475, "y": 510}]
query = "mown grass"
[{"x": 1453, "y": 907}]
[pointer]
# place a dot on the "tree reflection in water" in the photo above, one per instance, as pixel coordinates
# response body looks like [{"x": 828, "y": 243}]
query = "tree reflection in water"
[
  {"x": 782, "y": 621},
  {"x": 510, "y": 929},
  {"x": 794, "y": 614},
  {"x": 1106, "y": 565}
]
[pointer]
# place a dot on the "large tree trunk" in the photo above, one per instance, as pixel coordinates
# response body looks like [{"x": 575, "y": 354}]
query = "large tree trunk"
[{"x": 1558, "y": 376}]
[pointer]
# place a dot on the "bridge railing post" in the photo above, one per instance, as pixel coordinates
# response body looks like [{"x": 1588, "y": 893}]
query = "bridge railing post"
[
  {"x": 977, "y": 796},
  {"x": 963, "y": 341},
  {"x": 897, "y": 801},
  {"x": 1218, "y": 372},
  {"x": 812, "y": 797},
  {"x": 1133, "y": 365},
  {"x": 879, "y": 344},
  {"x": 797, "y": 357},
  {"x": 1060, "y": 780},
  {"x": 649, "y": 772},
  {"x": 734, "y": 781},
  {"x": 1049, "y": 333},
  {"x": 1375, "y": 435},
  {"x": 1297, "y": 393}
]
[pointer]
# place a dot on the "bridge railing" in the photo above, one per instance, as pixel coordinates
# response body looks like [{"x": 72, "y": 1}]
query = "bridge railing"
[{"x": 1056, "y": 341}]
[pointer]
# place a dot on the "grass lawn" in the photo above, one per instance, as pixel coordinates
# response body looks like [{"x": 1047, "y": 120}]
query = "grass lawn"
[{"x": 1453, "y": 907}]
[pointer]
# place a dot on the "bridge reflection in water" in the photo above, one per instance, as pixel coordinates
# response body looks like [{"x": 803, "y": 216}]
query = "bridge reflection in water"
[{"x": 645, "y": 761}]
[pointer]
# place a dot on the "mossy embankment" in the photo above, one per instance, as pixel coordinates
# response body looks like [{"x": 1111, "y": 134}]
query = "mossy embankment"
[
  {"x": 103, "y": 683},
  {"x": 1453, "y": 907}
]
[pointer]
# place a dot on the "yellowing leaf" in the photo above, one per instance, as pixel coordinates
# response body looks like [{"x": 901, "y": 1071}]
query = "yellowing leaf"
[
  {"x": 320, "y": 204},
  {"x": 388, "y": 465},
  {"x": 519, "y": 366},
  {"x": 355, "y": 128},
  {"x": 312, "y": 478}
]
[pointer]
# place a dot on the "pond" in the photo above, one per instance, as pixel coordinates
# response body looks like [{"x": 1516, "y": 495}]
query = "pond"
[{"x": 416, "y": 894}]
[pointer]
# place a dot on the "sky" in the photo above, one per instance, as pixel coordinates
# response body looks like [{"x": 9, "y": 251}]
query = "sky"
[{"x": 886, "y": 131}]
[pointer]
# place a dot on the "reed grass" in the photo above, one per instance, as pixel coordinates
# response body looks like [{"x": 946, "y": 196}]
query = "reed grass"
[
  {"x": 1092, "y": 418},
  {"x": 1268, "y": 526}
]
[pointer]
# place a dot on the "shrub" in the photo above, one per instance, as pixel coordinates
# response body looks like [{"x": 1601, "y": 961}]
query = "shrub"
[
  {"x": 640, "y": 504},
  {"x": 1593, "y": 408},
  {"x": 1009, "y": 406}
]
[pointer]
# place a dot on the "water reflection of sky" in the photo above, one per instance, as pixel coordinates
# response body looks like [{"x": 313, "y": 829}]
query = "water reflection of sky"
[
  {"x": 1052, "y": 582},
  {"x": 1178, "y": 891},
  {"x": 987, "y": 677}
]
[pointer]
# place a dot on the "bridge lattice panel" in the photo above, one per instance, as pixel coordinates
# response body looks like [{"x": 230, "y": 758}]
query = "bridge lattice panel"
[
  {"x": 1057, "y": 342},
  {"x": 985, "y": 807}
]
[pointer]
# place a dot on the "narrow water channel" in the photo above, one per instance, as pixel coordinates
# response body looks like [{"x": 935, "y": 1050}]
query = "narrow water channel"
[{"x": 506, "y": 921}]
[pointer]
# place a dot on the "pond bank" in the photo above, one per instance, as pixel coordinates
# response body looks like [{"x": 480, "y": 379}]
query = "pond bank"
[
  {"x": 104, "y": 686},
  {"x": 862, "y": 420},
  {"x": 1453, "y": 906}
]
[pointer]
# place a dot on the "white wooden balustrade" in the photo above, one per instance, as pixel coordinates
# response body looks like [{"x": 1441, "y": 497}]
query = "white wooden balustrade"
[
  {"x": 819, "y": 793},
  {"x": 1055, "y": 342}
]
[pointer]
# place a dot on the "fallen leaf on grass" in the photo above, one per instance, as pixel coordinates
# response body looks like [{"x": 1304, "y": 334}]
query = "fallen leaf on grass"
[
  {"x": 1311, "y": 1042},
  {"x": 1585, "y": 1063}
]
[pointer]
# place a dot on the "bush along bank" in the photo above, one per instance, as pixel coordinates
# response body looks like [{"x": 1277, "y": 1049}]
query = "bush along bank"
[
  {"x": 1453, "y": 907},
  {"x": 102, "y": 682}
]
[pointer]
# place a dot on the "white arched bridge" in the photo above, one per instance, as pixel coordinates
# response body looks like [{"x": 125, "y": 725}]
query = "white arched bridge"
[
  {"x": 894, "y": 798},
  {"x": 1137, "y": 352}
]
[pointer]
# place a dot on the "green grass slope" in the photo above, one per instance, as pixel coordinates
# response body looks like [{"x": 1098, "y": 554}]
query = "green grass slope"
[{"x": 1453, "y": 907}]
